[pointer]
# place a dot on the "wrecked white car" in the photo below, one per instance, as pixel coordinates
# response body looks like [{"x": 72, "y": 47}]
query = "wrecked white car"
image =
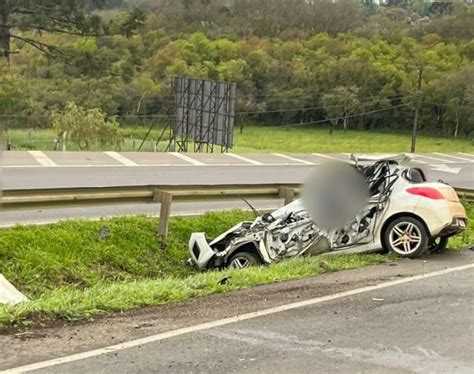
[{"x": 404, "y": 214}]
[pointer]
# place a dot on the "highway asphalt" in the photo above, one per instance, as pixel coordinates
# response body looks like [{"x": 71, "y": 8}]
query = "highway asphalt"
[
  {"x": 44, "y": 216},
  {"x": 404, "y": 317},
  {"x": 84, "y": 169},
  {"x": 43, "y": 170},
  {"x": 425, "y": 327}
]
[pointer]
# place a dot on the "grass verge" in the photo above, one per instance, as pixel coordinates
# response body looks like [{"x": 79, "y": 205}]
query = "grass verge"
[
  {"x": 80, "y": 269},
  {"x": 70, "y": 303},
  {"x": 255, "y": 138}
]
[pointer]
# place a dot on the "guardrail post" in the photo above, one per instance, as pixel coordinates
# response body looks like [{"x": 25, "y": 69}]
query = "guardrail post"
[
  {"x": 287, "y": 194},
  {"x": 165, "y": 199}
]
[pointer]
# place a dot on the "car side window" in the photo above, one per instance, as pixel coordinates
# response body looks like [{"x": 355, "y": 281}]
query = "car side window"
[{"x": 415, "y": 175}]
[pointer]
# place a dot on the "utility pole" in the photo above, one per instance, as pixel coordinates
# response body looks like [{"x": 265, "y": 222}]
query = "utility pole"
[{"x": 417, "y": 109}]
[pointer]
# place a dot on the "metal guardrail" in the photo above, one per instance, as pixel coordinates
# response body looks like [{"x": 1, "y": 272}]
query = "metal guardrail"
[
  {"x": 164, "y": 195},
  {"x": 49, "y": 198}
]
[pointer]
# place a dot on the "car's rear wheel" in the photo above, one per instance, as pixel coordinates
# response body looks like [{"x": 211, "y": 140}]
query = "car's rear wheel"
[
  {"x": 406, "y": 236},
  {"x": 438, "y": 245},
  {"x": 244, "y": 260}
]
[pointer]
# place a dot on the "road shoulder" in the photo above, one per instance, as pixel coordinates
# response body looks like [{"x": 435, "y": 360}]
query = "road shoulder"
[{"x": 69, "y": 338}]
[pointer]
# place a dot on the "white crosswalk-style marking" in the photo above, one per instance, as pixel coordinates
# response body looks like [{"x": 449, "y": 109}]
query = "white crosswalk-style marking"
[
  {"x": 122, "y": 159},
  {"x": 464, "y": 159},
  {"x": 293, "y": 159},
  {"x": 329, "y": 157},
  {"x": 242, "y": 158},
  {"x": 436, "y": 159},
  {"x": 187, "y": 159},
  {"x": 42, "y": 159}
]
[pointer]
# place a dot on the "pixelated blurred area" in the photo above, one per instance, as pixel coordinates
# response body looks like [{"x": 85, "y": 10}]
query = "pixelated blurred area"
[{"x": 334, "y": 194}]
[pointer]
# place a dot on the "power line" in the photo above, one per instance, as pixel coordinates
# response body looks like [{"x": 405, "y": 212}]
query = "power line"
[
  {"x": 287, "y": 110},
  {"x": 342, "y": 117},
  {"x": 312, "y": 108}
]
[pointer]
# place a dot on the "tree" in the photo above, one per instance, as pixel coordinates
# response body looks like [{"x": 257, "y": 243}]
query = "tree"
[
  {"x": 340, "y": 103},
  {"x": 84, "y": 126},
  {"x": 52, "y": 16}
]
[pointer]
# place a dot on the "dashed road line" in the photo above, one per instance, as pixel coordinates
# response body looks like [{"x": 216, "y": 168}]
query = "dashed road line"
[
  {"x": 42, "y": 159},
  {"x": 437, "y": 159},
  {"x": 293, "y": 159},
  {"x": 329, "y": 157},
  {"x": 143, "y": 166},
  {"x": 187, "y": 159},
  {"x": 122, "y": 159},
  {"x": 415, "y": 159},
  {"x": 229, "y": 320},
  {"x": 455, "y": 157},
  {"x": 242, "y": 158}
]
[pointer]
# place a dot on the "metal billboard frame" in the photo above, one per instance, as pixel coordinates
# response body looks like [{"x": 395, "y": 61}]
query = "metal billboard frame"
[{"x": 204, "y": 115}]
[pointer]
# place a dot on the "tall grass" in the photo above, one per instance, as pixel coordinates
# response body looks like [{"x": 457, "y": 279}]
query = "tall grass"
[
  {"x": 71, "y": 303},
  {"x": 260, "y": 138},
  {"x": 83, "y": 253},
  {"x": 78, "y": 269},
  {"x": 317, "y": 139}
]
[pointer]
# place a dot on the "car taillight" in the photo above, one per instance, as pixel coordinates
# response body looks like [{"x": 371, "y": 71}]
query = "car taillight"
[{"x": 430, "y": 193}]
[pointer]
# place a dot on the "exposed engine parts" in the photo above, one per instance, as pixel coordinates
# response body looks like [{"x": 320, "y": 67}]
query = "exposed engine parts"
[{"x": 292, "y": 231}]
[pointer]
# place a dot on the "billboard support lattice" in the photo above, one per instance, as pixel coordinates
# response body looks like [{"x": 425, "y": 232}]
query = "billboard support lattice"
[{"x": 204, "y": 115}]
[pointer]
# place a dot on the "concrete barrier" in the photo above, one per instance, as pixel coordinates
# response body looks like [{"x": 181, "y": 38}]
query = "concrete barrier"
[{"x": 9, "y": 294}]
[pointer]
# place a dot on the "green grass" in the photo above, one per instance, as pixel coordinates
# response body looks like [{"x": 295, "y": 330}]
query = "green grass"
[
  {"x": 259, "y": 138},
  {"x": 69, "y": 271},
  {"x": 72, "y": 253},
  {"x": 305, "y": 140},
  {"x": 70, "y": 303},
  {"x": 467, "y": 237},
  {"x": 43, "y": 139}
]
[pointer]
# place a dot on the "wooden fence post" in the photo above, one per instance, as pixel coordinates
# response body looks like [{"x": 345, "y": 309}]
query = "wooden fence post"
[
  {"x": 287, "y": 194},
  {"x": 165, "y": 199}
]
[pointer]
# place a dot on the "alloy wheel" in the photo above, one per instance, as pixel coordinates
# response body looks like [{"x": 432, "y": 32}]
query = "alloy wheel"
[{"x": 405, "y": 237}]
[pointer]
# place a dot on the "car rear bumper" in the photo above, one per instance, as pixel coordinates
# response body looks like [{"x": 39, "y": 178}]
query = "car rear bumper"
[{"x": 457, "y": 225}]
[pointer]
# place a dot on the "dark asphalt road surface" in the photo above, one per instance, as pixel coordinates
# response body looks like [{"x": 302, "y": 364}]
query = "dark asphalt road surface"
[
  {"x": 64, "y": 177},
  {"x": 43, "y": 216},
  {"x": 69, "y": 177},
  {"x": 424, "y": 326}
]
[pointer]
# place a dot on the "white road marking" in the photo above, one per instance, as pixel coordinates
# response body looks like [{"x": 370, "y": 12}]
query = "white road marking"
[
  {"x": 466, "y": 154},
  {"x": 42, "y": 159},
  {"x": 419, "y": 161},
  {"x": 329, "y": 157},
  {"x": 445, "y": 168},
  {"x": 187, "y": 159},
  {"x": 443, "y": 160},
  {"x": 242, "y": 158},
  {"x": 228, "y": 321},
  {"x": 293, "y": 159},
  {"x": 144, "y": 166},
  {"x": 122, "y": 159},
  {"x": 455, "y": 157},
  {"x": 347, "y": 154}
]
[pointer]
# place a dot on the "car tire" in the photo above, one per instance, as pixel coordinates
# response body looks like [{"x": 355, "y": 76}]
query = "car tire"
[
  {"x": 406, "y": 237},
  {"x": 438, "y": 245},
  {"x": 242, "y": 260}
]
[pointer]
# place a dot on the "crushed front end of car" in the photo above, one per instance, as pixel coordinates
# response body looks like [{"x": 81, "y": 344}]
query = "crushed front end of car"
[{"x": 287, "y": 232}]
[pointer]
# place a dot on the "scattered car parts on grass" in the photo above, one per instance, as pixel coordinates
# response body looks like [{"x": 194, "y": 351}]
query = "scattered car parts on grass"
[
  {"x": 404, "y": 214},
  {"x": 9, "y": 294}
]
